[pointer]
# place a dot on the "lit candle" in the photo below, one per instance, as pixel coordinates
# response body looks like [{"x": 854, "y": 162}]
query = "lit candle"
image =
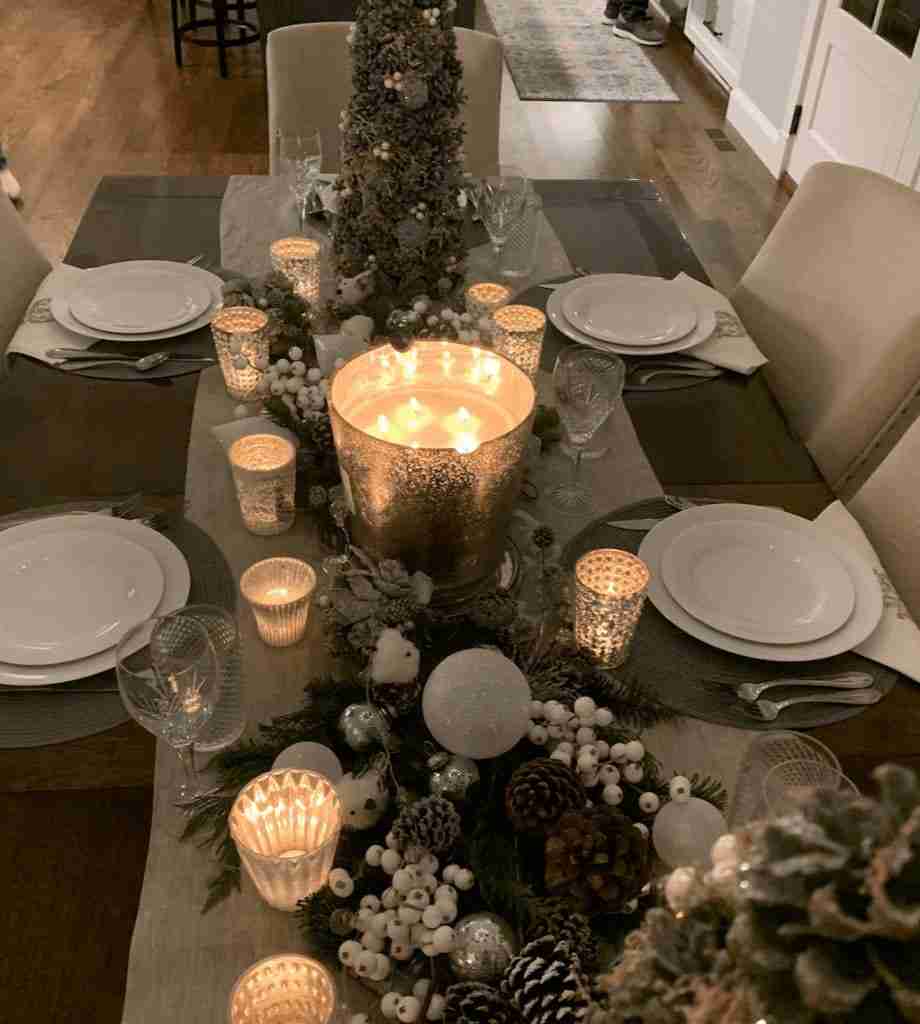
[
  {"x": 610, "y": 588},
  {"x": 240, "y": 334},
  {"x": 298, "y": 259},
  {"x": 485, "y": 298},
  {"x": 263, "y": 467},
  {"x": 285, "y": 825},
  {"x": 519, "y": 336},
  {"x": 285, "y": 989},
  {"x": 279, "y": 591}
]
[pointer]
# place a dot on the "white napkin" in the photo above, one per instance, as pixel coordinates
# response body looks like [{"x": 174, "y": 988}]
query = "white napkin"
[
  {"x": 39, "y": 331},
  {"x": 730, "y": 346},
  {"x": 896, "y": 640},
  {"x": 227, "y": 433}
]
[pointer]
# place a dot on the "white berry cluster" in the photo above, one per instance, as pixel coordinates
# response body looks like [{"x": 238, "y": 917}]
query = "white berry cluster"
[
  {"x": 394, "y": 82},
  {"x": 407, "y": 1008},
  {"x": 303, "y": 391},
  {"x": 418, "y": 211},
  {"x": 432, "y": 15},
  {"x": 383, "y": 151},
  {"x": 445, "y": 320}
]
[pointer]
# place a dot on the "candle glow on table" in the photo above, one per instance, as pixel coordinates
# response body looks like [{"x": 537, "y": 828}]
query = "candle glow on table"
[
  {"x": 284, "y": 989},
  {"x": 431, "y": 444},
  {"x": 485, "y": 298},
  {"x": 610, "y": 588},
  {"x": 245, "y": 329},
  {"x": 263, "y": 467},
  {"x": 299, "y": 260},
  {"x": 519, "y": 336},
  {"x": 285, "y": 825},
  {"x": 279, "y": 591}
]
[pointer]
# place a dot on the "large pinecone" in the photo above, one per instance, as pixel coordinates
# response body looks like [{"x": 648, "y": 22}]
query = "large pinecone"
[
  {"x": 597, "y": 856},
  {"x": 471, "y": 1002},
  {"x": 539, "y": 792},
  {"x": 546, "y": 985},
  {"x": 432, "y": 823},
  {"x": 558, "y": 917}
]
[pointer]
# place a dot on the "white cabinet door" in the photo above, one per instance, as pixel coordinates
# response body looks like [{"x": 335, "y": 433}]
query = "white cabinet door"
[{"x": 863, "y": 88}]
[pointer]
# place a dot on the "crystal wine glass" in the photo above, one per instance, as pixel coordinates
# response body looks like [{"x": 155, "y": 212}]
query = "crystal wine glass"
[
  {"x": 168, "y": 679},
  {"x": 587, "y": 384},
  {"x": 501, "y": 200},
  {"x": 300, "y": 158}
]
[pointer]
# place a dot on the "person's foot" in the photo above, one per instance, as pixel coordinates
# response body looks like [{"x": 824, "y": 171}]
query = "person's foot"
[
  {"x": 642, "y": 30},
  {"x": 612, "y": 12}
]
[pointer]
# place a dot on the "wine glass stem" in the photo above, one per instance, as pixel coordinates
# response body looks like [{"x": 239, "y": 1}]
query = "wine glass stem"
[
  {"x": 577, "y": 452},
  {"x": 190, "y": 781},
  {"x": 302, "y": 214}
]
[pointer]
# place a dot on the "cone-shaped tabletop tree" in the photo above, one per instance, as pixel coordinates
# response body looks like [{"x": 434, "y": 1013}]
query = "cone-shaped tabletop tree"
[{"x": 402, "y": 135}]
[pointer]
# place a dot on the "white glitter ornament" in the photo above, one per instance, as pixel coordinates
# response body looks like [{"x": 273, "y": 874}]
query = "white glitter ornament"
[
  {"x": 340, "y": 882},
  {"x": 649, "y": 803},
  {"x": 684, "y": 833},
  {"x": 633, "y": 772},
  {"x": 612, "y": 795},
  {"x": 634, "y": 751},
  {"x": 680, "y": 789}
]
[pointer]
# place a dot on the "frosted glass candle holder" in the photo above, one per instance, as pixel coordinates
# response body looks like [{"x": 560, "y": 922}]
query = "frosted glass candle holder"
[
  {"x": 285, "y": 989},
  {"x": 519, "y": 336},
  {"x": 241, "y": 341},
  {"x": 610, "y": 588},
  {"x": 263, "y": 467},
  {"x": 279, "y": 591},
  {"x": 300, "y": 260},
  {"x": 485, "y": 298},
  {"x": 285, "y": 825}
]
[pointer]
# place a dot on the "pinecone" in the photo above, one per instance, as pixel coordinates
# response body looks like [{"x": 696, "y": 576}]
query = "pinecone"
[
  {"x": 539, "y": 792},
  {"x": 597, "y": 856},
  {"x": 396, "y": 611},
  {"x": 432, "y": 823},
  {"x": 546, "y": 985},
  {"x": 558, "y": 917},
  {"x": 471, "y": 1002}
]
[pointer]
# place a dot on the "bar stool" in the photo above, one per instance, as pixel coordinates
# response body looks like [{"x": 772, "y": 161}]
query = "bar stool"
[{"x": 226, "y": 14}]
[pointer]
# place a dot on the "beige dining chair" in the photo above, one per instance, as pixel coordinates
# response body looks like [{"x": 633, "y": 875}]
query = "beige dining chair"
[
  {"x": 833, "y": 300},
  {"x": 22, "y": 269},
  {"x": 309, "y": 82}
]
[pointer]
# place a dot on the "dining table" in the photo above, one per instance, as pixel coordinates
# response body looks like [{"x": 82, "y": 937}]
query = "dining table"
[{"x": 723, "y": 439}]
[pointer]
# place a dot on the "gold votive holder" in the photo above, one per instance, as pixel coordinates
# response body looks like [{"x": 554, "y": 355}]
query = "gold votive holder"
[
  {"x": 518, "y": 336},
  {"x": 241, "y": 337},
  {"x": 299, "y": 259},
  {"x": 285, "y": 825},
  {"x": 283, "y": 989},
  {"x": 484, "y": 298},
  {"x": 279, "y": 591},
  {"x": 263, "y": 467},
  {"x": 610, "y": 588}
]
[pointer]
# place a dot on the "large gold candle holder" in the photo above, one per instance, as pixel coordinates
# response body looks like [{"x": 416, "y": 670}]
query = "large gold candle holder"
[
  {"x": 279, "y": 591},
  {"x": 484, "y": 298},
  {"x": 241, "y": 341},
  {"x": 519, "y": 336},
  {"x": 431, "y": 446},
  {"x": 263, "y": 467},
  {"x": 299, "y": 259},
  {"x": 285, "y": 825},
  {"x": 610, "y": 588},
  {"x": 285, "y": 989}
]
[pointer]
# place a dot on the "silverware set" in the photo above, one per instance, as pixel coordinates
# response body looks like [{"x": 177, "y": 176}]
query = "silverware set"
[
  {"x": 78, "y": 359},
  {"x": 845, "y": 688}
]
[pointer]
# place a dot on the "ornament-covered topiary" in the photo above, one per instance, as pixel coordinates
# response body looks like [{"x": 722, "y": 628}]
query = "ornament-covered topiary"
[
  {"x": 540, "y": 792},
  {"x": 471, "y": 1002},
  {"x": 546, "y": 985},
  {"x": 431, "y": 823}
]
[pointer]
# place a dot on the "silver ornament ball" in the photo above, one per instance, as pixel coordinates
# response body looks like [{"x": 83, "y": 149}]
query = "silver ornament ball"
[
  {"x": 362, "y": 726},
  {"x": 484, "y": 944},
  {"x": 452, "y": 778}
]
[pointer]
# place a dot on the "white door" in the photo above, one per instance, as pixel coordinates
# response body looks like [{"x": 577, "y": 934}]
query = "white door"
[{"x": 863, "y": 89}]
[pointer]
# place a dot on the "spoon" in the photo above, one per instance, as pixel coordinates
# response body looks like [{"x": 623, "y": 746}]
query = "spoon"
[
  {"x": 768, "y": 710},
  {"x": 845, "y": 681},
  {"x": 141, "y": 365}
]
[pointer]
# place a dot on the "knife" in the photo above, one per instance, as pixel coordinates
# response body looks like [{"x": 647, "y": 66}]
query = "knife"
[{"x": 78, "y": 353}]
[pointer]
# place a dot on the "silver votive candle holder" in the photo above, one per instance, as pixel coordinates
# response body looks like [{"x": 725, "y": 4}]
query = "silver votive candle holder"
[
  {"x": 283, "y": 989},
  {"x": 610, "y": 587},
  {"x": 300, "y": 261},
  {"x": 279, "y": 592},
  {"x": 263, "y": 467},
  {"x": 518, "y": 336},
  {"x": 484, "y": 298},
  {"x": 241, "y": 341},
  {"x": 285, "y": 825}
]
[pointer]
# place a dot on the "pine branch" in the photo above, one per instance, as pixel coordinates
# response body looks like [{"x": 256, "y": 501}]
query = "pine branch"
[
  {"x": 707, "y": 787},
  {"x": 632, "y": 704}
]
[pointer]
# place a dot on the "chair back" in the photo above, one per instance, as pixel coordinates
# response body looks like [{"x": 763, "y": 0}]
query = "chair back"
[
  {"x": 23, "y": 267},
  {"x": 308, "y": 69},
  {"x": 832, "y": 300}
]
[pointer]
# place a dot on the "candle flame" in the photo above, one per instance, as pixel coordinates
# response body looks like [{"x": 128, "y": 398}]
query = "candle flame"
[
  {"x": 383, "y": 424},
  {"x": 466, "y": 443},
  {"x": 463, "y": 414}
]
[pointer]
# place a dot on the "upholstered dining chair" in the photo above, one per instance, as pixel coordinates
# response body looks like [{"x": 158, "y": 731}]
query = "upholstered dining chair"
[
  {"x": 309, "y": 81},
  {"x": 832, "y": 299},
  {"x": 23, "y": 267}
]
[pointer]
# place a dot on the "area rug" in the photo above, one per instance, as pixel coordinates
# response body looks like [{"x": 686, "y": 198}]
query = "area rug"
[{"x": 562, "y": 50}]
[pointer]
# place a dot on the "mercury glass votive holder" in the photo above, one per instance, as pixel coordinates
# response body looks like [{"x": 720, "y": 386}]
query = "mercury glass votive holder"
[
  {"x": 285, "y": 825},
  {"x": 263, "y": 467},
  {"x": 283, "y": 989},
  {"x": 241, "y": 334},
  {"x": 518, "y": 336},
  {"x": 484, "y": 298},
  {"x": 299, "y": 259},
  {"x": 610, "y": 588},
  {"x": 279, "y": 591}
]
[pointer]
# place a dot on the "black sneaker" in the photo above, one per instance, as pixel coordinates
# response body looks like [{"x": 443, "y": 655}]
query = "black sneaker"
[
  {"x": 642, "y": 30},
  {"x": 612, "y": 12}
]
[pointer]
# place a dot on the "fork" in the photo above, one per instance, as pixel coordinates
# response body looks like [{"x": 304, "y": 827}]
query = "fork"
[
  {"x": 768, "y": 710},
  {"x": 844, "y": 681}
]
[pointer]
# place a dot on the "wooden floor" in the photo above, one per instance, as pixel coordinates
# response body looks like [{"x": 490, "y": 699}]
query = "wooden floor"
[{"x": 90, "y": 89}]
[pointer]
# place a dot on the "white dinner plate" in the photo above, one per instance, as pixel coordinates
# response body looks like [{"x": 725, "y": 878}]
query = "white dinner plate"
[
  {"x": 70, "y": 594},
  {"x": 140, "y": 296},
  {"x": 759, "y": 581},
  {"x": 627, "y": 309},
  {"x": 177, "y": 584},
  {"x": 705, "y": 327},
  {"x": 865, "y": 617}
]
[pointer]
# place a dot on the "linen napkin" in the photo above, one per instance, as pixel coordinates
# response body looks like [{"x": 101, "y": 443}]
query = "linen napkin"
[
  {"x": 227, "y": 433},
  {"x": 39, "y": 331},
  {"x": 730, "y": 347},
  {"x": 896, "y": 640}
]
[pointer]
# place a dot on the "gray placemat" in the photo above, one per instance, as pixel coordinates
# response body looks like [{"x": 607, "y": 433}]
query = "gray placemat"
[
  {"x": 38, "y": 719},
  {"x": 698, "y": 680}
]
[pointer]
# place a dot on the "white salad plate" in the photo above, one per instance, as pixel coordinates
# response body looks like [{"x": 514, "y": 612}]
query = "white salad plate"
[
  {"x": 70, "y": 594},
  {"x": 759, "y": 581},
  {"x": 140, "y": 296},
  {"x": 172, "y": 563},
  {"x": 865, "y": 616},
  {"x": 627, "y": 309}
]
